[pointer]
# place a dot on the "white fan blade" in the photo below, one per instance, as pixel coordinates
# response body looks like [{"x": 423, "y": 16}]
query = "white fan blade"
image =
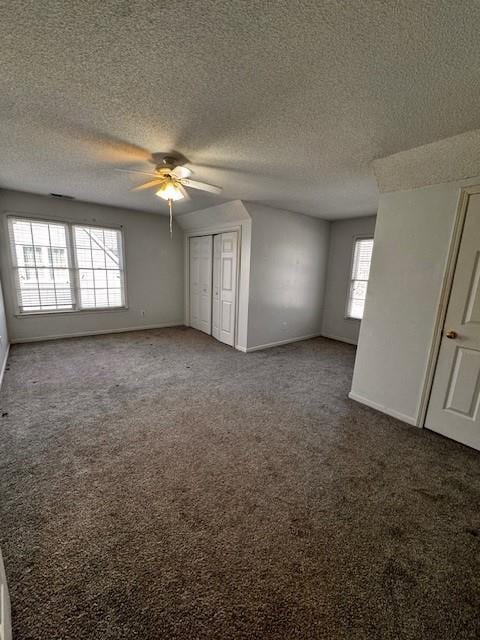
[
  {"x": 203, "y": 186},
  {"x": 181, "y": 172},
  {"x": 147, "y": 185},
  {"x": 184, "y": 192},
  {"x": 143, "y": 173}
]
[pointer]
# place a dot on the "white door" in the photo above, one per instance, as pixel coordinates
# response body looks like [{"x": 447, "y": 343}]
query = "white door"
[
  {"x": 217, "y": 252},
  {"x": 224, "y": 286},
  {"x": 454, "y": 408},
  {"x": 201, "y": 283}
]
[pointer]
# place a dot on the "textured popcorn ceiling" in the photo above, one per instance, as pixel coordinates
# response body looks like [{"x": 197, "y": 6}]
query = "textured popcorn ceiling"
[
  {"x": 285, "y": 103},
  {"x": 446, "y": 160}
]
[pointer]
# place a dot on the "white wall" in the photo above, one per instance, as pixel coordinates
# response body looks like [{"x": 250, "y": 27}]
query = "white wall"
[
  {"x": 288, "y": 265},
  {"x": 3, "y": 335},
  {"x": 282, "y": 269},
  {"x": 154, "y": 269},
  {"x": 412, "y": 238},
  {"x": 5, "y": 616},
  {"x": 342, "y": 236}
]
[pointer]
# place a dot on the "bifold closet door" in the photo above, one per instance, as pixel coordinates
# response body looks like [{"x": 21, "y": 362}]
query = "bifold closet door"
[
  {"x": 217, "y": 251},
  {"x": 225, "y": 247},
  {"x": 201, "y": 283}
]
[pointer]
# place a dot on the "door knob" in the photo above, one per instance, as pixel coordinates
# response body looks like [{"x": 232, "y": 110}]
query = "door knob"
[{"x": 451, "y": 334}]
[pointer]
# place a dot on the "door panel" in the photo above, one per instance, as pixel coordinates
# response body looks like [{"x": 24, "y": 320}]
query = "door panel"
[
  {"x": 201, "y": 283},
  {"x": 227, "y": 317},
  {"x": 225, "y": 287},
  {"x": 462, "y": 392},
  {"x": 227, "y": 269},
  {"x": 472, "y": 310},
  {"x": 217, "y": 252},
  {"x": 228, "y": 291},
  {"x": 454, "y": 402}
]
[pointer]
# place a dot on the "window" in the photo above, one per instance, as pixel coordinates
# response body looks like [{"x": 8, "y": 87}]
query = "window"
[
  {"x": 98, "y": 254},
  {"x": 362, "y": 256},
  {"x": 66, "y": 267}
]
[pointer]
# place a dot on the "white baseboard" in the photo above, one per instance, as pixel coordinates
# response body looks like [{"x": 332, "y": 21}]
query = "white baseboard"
[
  {"x": 380, "y": 407},
  {"x": 81, "y": 334},
  {"x": 279, "y": 343},
  {"x": 2, "y": 373},
  {"x": 339, "y": 338}
]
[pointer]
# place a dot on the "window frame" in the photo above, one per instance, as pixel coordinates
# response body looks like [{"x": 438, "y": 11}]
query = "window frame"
[
  {"x": 74, "y": 285},
  {"x": 355, "y": 238}
]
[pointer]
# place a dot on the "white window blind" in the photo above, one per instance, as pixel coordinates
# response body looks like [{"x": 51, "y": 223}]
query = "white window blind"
[
  {"x": 62, "y": 267},
  {"x": 362, "y": 256},
  {"x": 99, "y": 260},
  {"x": 43, "y": 278}
]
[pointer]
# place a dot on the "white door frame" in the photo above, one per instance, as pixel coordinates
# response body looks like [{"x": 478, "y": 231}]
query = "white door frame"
[
  {"x": 212, "y": 231},
  {"x": 447, "y": 282}
]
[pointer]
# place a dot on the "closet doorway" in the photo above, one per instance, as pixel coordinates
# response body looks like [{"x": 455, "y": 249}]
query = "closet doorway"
[{"x": 213, "y": 284}]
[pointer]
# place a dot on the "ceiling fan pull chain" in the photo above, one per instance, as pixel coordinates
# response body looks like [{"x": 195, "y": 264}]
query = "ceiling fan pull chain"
[{"x": 170, "y": 207}]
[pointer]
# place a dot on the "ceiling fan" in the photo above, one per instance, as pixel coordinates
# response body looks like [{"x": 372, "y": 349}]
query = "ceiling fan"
[{"x": 169, "y": 178}]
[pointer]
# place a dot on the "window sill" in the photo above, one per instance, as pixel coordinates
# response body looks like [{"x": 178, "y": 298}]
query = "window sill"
[
  {"x": 352, "y": 318},
  {"x": 35, "y": 314}
]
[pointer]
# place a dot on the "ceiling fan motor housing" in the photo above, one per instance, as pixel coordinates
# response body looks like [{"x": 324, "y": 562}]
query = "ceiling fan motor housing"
[{"x": 170, "y": 162}]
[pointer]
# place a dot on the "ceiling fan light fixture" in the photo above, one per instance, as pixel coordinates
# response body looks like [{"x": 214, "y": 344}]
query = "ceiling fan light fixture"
[
  {"x": 169, "y": 191},
  {"x": 170, "y": 178}
]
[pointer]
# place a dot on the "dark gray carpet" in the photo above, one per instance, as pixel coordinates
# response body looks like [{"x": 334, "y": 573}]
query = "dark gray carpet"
[{"x": 159, "y": 485}]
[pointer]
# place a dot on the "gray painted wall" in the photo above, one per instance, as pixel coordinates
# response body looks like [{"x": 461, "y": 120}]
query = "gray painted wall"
[
  {"x": 412, "y": 238},
  {"x": 5, "y": 620},
  {"x": 285, "y": 284},
  {"x": 288, "y": 265},
  {"x": 3, "y": 333},
  {"x": 342, "y": 235},
  {"x": 154, "y": 269}
]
